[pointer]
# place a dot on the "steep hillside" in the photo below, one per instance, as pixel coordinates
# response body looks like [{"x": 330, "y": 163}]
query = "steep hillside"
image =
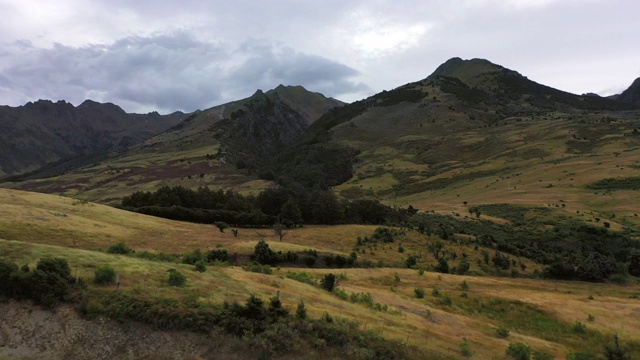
[
  {"x": 632, "y": 94},
  {"x": 471, "y": 133},
  {"x": 42, "y": 133},
  {"x": 225, "y": 146}
]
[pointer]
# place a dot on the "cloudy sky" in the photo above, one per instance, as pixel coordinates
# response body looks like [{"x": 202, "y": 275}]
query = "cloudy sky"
[{"x": 169, "y": 55}]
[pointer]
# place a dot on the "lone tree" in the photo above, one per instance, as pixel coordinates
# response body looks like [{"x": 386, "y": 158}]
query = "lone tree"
[
  {"x": 221, "y": 225},
  {"x": 279, "y": 230},
  {"x": 329, "y": 282}
]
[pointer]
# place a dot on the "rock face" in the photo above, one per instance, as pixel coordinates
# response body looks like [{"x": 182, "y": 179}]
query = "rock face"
[
  {"x": 28, "y": 332},
  {"x": 40, "y": 133}
]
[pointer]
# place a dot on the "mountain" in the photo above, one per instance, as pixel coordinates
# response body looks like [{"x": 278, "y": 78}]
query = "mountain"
[
  {"x": 41, "y": 133},
  {"x": 226, "y": 146},
  {"x": 632, "y": 94},
  {"x": 472, "y": 132}
]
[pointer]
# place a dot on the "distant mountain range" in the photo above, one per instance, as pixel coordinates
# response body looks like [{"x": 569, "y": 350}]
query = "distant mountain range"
[
  {"x": 41, "y": 133},
  {"x": 468, "y": 126}
]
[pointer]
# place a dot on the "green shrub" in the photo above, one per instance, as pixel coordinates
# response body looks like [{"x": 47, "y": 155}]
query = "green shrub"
[
  {"x": 419, "y": 293},
  {"x": 579, "y": 327},
  {"x": 541, "y": 355},
  {"x": 465, "y": 348},
  {"x": 464, "y": 286},
  {"x": 259, "y": 268},
  {"x": 104, "y": 275},
  {"x": 445, "y": 300},
  {"x": 519, "y": 351},
  {"x": 303, "y": 277},
  {"x": 176, "y": 278},
  {"x": 120, "y": 248},
  {"x": 201, "y": 266},
  {"x": 435, "y": 292}
]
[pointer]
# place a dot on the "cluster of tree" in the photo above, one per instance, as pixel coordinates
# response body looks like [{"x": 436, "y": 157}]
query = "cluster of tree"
[
  {"x": 291, "y": 206},
  {"x": 573, "y": 250},
  {"x": 264, "y": 255},
  {"x": 47, "y": 285}
]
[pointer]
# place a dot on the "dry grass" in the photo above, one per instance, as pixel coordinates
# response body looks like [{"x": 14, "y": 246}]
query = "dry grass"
[{"x": 35, "y": 221}]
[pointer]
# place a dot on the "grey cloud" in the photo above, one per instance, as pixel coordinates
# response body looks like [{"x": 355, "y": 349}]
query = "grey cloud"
[{"x": 168, "y": 72}]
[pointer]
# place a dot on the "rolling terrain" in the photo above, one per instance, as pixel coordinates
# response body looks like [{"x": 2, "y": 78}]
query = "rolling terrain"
[{"x": 540, "y": 313}]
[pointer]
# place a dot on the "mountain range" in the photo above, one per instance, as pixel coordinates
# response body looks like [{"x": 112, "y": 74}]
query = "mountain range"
[{"x": 468, "y": 126}]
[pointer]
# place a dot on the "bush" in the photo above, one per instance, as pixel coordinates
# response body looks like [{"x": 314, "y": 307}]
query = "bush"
[
  {"x": 419, "y": 293},
  {"x": 120, "y": 248},
  {"x": 503, "y": 332},
  {"x": 465, "y": 349},
  {"x": 104, "y": 275},
  {"x": 579, "y": 328},
  {"x": 541, "y": 355},
  {"x": 176, "y": 278},
  {"x": 519, "y": 351},
  {"x": 201, "y": 266}
]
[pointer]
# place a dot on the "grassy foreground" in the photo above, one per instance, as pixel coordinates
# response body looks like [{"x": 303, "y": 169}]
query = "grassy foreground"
[{"x": 540, "y": 313}]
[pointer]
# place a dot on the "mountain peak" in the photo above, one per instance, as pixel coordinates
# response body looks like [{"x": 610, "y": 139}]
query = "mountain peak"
[{"x": 632, "y": 94}]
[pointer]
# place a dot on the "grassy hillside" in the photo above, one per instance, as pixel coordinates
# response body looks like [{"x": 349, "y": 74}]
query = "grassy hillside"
[{"x": 540, "y": 313}]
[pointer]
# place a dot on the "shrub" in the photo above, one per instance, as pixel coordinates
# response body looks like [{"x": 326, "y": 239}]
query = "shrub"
[
  {"x": 301, "y": 311},
  {"x": 435, "y": 292},
  {"x": 176, "y": 278},
  {"x": 120, "y": 248},
  {"x": 519, "y": 351},
  {"x": 201, "y": 266},
  {"x": 503, "y": 332},
  {"x": 419, "y": 293},
  {"x": 104, "y": 275},
  {"x": 464, "y": 286},
  {"x": 465, "y": 349},
  {"x": 541, "y": 355},
  {"x": 446, "y": 300},
  {"x": 443, "y": 266},
  {"x": 411, "y": 261},
  {"x": 579, "y": 327}
]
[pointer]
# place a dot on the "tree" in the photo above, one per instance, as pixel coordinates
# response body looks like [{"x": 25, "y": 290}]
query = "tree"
[
  {"x": 279, "y": 230},
  {"x": 329, "y": 282},
  {"x": 263, "y": 254},
  {"x": 443, "y": 266},
  {"x": 221, "y": 225},
  {"x": 411, "y": 261},
  {"x": 290, "y": 214},
  {"x": 301, "y": 311},
  {"x": 634, "y": 264}
]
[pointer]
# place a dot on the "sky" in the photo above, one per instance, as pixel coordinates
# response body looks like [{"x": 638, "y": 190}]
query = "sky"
[{"x": 167, "y": 55}]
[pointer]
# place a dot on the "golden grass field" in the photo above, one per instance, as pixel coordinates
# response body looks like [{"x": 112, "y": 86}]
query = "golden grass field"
[{"x": 35, "y": 225}]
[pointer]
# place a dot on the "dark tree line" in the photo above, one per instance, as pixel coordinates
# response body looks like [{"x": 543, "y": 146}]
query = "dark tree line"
[{"x": 291, "y": 206}]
